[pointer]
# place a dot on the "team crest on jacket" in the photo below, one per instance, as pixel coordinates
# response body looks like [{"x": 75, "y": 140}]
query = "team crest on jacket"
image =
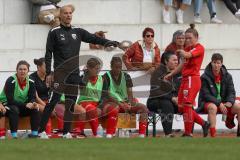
[
  {"x": 56, "y": 85},
  {"x": 185, "y": 93},
  {"x": 74, "y": 36}
]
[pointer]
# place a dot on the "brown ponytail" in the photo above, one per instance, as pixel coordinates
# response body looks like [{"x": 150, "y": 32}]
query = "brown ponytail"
[
  {"x": 192, "y": 30},
  {"x": 39, "y": 62}
]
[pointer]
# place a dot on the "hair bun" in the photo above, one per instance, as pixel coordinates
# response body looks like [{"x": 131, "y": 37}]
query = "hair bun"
[
  {"x": 36, "y": 61},
  {"x": 192, "y": 26}
]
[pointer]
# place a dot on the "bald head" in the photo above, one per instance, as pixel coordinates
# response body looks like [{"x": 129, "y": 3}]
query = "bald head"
[{"x": 66, "y": 15}]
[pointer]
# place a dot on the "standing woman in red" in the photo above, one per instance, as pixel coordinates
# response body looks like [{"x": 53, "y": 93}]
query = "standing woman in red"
[{"x": 190, "y": 86}]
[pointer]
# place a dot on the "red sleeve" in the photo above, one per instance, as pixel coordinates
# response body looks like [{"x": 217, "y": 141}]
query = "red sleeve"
[
  {"x": 157, "y": 58},
  {"x": 128, "y": 55},
  {"x": 198, "y": 50}
]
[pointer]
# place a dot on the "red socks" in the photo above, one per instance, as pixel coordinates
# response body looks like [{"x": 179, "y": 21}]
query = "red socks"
[
  {"x": 142, "y": 127},
  {"x": 80, "y": 125},
  {"x": 92, "y": 116},
  {"x": 112, "y": 116},
  {"x": 49, "y": 126},
  {"x": 198, "y": 119},
  {"x": 188, "y": 118},
  {"x": 60, "y": 122},
  {"x": 213, "y": 132},
  {"x": 2, "y": 132},
  {"x": 94, "y": 126}
]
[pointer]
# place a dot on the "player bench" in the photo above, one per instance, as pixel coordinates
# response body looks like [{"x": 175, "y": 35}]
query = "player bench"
[
  {"x": 125, "y": 120},
  {"x": 153, "y": 119}
]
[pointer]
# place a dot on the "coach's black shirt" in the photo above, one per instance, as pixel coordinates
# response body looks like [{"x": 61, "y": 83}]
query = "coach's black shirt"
[
  {"x": 63, "y": 43},
  {"x": 40, "y": 86}
]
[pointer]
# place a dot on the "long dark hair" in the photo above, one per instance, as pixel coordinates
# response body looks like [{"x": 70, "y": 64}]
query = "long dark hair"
[
  {"x": 39, "y": 62},
  {"x": 166, "y": 56}
]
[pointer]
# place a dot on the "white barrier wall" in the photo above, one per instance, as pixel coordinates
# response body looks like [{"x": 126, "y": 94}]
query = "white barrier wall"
[{"x": 27, "y": 42}]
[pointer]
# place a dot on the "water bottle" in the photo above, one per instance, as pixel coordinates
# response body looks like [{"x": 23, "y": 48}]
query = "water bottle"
[
  {"x": 100, "y": 131},
  {"x": 126, "y": 133},
  {"x": 121, "y": 133}
]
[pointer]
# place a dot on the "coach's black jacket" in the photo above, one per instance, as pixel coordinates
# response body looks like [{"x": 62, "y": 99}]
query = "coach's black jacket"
[
  {"x": 63, "y": 43},
  {"x": 208, "y": 92}
]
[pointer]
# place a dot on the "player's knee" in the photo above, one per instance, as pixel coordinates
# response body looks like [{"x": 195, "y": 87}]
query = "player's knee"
[
  {"x": 79, "y": 109},
  {"x": 212, "y": 108},
  {"x": 236, "y": 107}
]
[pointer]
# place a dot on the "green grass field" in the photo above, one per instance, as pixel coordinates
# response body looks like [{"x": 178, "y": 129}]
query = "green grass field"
[{"x": 122, "y": 149}]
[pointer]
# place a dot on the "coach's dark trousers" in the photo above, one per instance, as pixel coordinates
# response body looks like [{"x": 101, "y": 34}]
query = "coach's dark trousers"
[{"x": 67, "y": 84}]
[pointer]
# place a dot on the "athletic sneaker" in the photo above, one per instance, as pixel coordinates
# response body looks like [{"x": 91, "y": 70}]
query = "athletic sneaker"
[
  {"x": 169, "y": 136},
  {"x": 230, "y": 122},
  {"x": 32, "y": 136},
  {"x": 81, "y": 135},
  {"x": 187, "y": 136},
  {"x": 197, "y": 19},
  {"x": 237, "y": 14},
  {"x": 67, "y": 136},
  {"x": 216, "y": 20},
  {"x": 166, "y": 16},
  {"x": 43, "y": 135},
  {"x": 179, "y": 14},
  {"x": 109, "y": 136},
  {"x": 205, "y": 128}
]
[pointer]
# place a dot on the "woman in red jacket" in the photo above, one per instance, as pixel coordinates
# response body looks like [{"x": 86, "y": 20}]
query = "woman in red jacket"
[
  {"x": 191, "y": 83},
  {"x": 143, "y": 54}
]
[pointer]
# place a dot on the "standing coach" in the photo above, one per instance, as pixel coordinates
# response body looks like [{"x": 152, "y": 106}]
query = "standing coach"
[{"x": 63, "y": 45}]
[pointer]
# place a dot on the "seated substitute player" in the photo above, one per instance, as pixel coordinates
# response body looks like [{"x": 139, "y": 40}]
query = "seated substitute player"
[
  {"x": 217, "y": 94},
  {"x": 90, "y": 95},
  {"x": 119, "y": 98},
  {"x": 19, "y": 95}
]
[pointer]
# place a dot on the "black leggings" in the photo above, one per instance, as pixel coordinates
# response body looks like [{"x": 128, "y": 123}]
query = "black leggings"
[
  {"x": 231, "y": 7},
  {"x": 166, "y": 109},
  {"x": 71, "y": 93},
  {"x": 21, "y": 111}
]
